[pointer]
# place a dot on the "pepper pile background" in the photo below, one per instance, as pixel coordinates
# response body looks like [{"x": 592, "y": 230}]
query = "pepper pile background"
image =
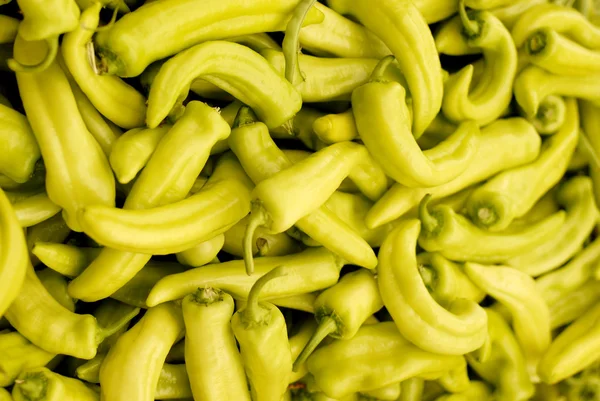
[{"x": 405, "y": 209}]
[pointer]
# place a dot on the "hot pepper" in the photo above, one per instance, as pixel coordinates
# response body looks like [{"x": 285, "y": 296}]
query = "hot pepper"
[
  {"x": 210, "y": 343},
  {"x": 41, "y": 384},
  {"x": 298, "y": 341},
  {"x": 54, "y": 230},
  {"x": 334, "y": 128},
  {"x": 203, "y": 253},
  {"x": 18, "y": 143},
  {"x": 422, "y": 320},
  {"x": 550, "y": 115},
  {"x": 130, "y": 45},
  {"x": 56, "y": 285},
  {"x": 390, "y": 392},
  {"x": 503, "y": 144},
  {"x": 572, "y": 304},
  {"x": 400, "y": 25},
  {"x": 513, "y": 192},
  {"x": 35, "y": 209},
  {"x": 65, "y": 259},
  {"x": 383, "y": 121},
  {"x": 510, "y": 13},
  {"x": 17, "y": 354}
]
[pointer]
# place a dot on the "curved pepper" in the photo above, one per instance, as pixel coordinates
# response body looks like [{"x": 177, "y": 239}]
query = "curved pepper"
[
  {"x": 485, "y": 100},
  {"x": 298, "y": 341},
  {"x": 114, "y": 98},
  {"x": 290, "y": 44},
  {"x": 505, "y": 368},
  {"x": 130, "y": 45},
  {"x": 65, "y": 259},
  {"x": 574, "y": 303},
  {"x": 221, "y": 203},
  {"x": 517, "y": 291},
  {"x": 18, "y": 354},
  {"x": 318, "y": 267},
  {"x": 210, "y": 342},
  {"x": 300, "y": 127},
  {"x": 577, "y": 198},
  {"x": 8, "y": 29},
  {"x": 233, "y": 67},
  {"x": 550, "y": 116},
  {"x": 456, "y": 238},
  {"x": 261, "y": 332},
  {"x": 383, "y": 122},
  {"x": 510, "y": 13},
  {"x": 145, "y": 344},
  {"x": 334, "y": 128},
  {"x": 56, "y": 285},
  {"x": 203, "y": 253},
  {"x": 453, "y": 328},
  {"x": 52, "y": 230},
  {"x": 18, "y": 144},
  {"x": 342, "y": 309},
  {"x": 513, "y": 192},
  {"x": 400, "y": 25},
  {"x": 41, "y": 384},
  {"x": 35, "y": 209},
  {"x": 502, "y": 145},
  {"x": 185, "y": 148},
  {"x": 375, "y": 357}
]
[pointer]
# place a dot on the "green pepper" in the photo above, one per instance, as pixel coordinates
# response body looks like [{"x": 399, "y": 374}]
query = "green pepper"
[
  {"x": 334, "y": 128},
  {"x": 505, "y": 368},
  {"x": 41, "y": 384},
  {"x": 477, "y": 391},
  {"x": 297, "y": 343},
  {"x": 261, "y": 332},
  {"x": 8, "y": 29},
  {"x": 456, "y": 380},
  {"x": 400, "y": 25},
  {"x": 513, "y": 192},
  {"x": 574, "y": 303},
  {"x": 510, "y": 13},
  {"x": 130, "y": 45},
  {"x": 17, "y": 354},
  {"x": 54, "y": 230},
  {"x": 318, "y": 267},
  {"x": 390, "y": 392},
  {"x": 65, "y": 259},
  {"x": 56, "y": 285},
  {"x": 502, "y": 145},
  {"x": 590, "y": 121},
  {"x": 5, "y": 395},
  {"x": 300, "y": 127},
  {"x": 411, "y": 389},
  {"x": 577, "y": 198},
  {"x": 203, "y": 253},
  {"x": 210, "y": 342},
  {"x": 375, "y": 357},
  {"x": 35, "y": 209},
  {"x": 453, "y": 327},
  {"x": 550, "y": 116},
  {"x": 517, "y": 291},
  {"x": 18, "y": 144}
]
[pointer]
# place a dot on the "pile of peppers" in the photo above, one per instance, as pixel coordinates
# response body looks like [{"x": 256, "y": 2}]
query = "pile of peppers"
[{"x": 299, "y": 200}]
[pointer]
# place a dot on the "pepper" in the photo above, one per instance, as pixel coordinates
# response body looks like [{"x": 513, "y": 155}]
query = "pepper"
[
  {"x": 577, "y": 198},
  {"x": 8, "y": 29},
  {"x": 530, "y": 316},
  {"x": 78, "y": 172},
  {"x": 185, "y": 148},
  {"x": 118, "y": 5},
  {"x": 590, "y": 121},
  {"x": 502, "y": 145},
  {"x": 146, "y": 344},
  {"x": 17, "y": 354},
  {"x": 210, "y": 342},
  {"x": 68, "y": 260},
  {"x": 383, "y": 122},
  {"x": 510, "y": 13},
  {"x": 550, "y": 116},
  {"x": 132, "y": 150},
  {"x": 513, "y": 192},
  {"x": 261, "y": 332},
  {"x": 56, "y": 285},
  {"x": 203, "y": 253},
  {"x": 5, "y": 395},
  {"x": 318, "y": 267},
  {"x": 14, "y": 260},
  {"x": 290, "y": 44},
  {"x": 411, "y": 389},
  {"x": 54, "y": 230},
  {"x": 477, "y": 391},
  {"x": 300, "y": 127},
  {"x": 574, "y": 303},
  {"x": 375, "y": 357},
  {"x": 34, "y": 209},
  {"x": 485, "y": 100},
  {"x": 456, "y": 238},
  {"x": 41, "y": 384},
  {"x": 342, "y": 309},
  {"x": 298, "y": 341},
  {"x": 453, "y": 327},
  {"x": 334, "y": 128},
  {"x": 400, "y": 25},
  {"x": 129, "y": 46},
  {"x": 390, "y": 392},
  {"x": 505, "y": 368},
  {"x": 18, "y": 143}
]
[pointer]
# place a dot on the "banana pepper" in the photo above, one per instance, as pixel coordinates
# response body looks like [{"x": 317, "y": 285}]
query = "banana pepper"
[
  {"x": 18, "y": 144},
  {"x": 41, "y": 384}
]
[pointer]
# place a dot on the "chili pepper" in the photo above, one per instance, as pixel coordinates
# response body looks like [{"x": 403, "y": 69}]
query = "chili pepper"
[
  {"x": 454, "y": 331},
  {"x": 302, "y": 302},
  {"x": 318, "y": 267},
  {"x": 18, "y": 354},
  {"x": 185, "y": 148},
  {"x": 390, "y": 392},
  {"x": 146, "y": 344},
  {"x": 300, "y": 127},
  {"x": 210, "y": 342},
  {"x": 203, "y": 253},
  {"x": 130, "y": 45},
  {"x": 36, "y": 181},
  {"x": 477, "y": 391},
  {"x": 342, "y": 309},
  {"x": 573, "y": 350},
  {"x": 334, "y": 128},
  {"x": 56, "y": 285},
  {"x": 517, "y": 291},
  {"x": 573, "y": 304},
  {"x": 173, "y": 383},
  {"x": 52, "y": 230},
  {"x": 502, "y": 145},
  {"x": 577, "y": 198},
  {"x": 297, "y": 343},
  {"x": 505, "y": 368},
  {"x": 68, "y": 260},
  {"x": 513, "y": 192},
  {"x": 376, "y": 356},
  {"x": 510, "y": 13},
  {"x": 261, "y": 332},
  {"x": 550, "y": 116},
  {"x": 41, "y": 384},
  {"x": 403, "y": 29},
  {"x": 411, "y": 389},
  {"x": 8, "y": 29},
  {"x": 388, "y": 135},
  {"x": 78, "y": 173},
  {"x": 487, "y": 99},
  {"x": 18, "y": 144},
  {"x": 35, "y": 209},
  {"x": 589, "y": 122}
]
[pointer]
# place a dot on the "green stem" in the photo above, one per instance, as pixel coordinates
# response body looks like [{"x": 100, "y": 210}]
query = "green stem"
[
  {"x": 290, "y": 40},
  {"x": 326, "y": 326},
  {"x": 258, "y": 217},
  {"x": 110, "y": 24},
  {"x": 244, "y": 116},
  {"x": 207, "y": 295},
  {"x": 537, "y": 42},
  {"x": 42, "y": 65},
  {"x": 429, "y": 222},
  {"x": 252, "y": 312},
  {"x": 33, "y": 386},
  {"x": 471, "y": 27},
  {"x": 379, "y": 70}
]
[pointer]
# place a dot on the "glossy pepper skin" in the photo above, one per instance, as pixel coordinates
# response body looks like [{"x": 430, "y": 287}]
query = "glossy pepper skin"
[
  {"x": 298, "y": 341},
  {"x": 54, "y": 229},
  {"x": 210, "y": 343},
  {"x": 78, "y": 172},
  {"x": 56, "y": 285},
  {"x": 420, "y": 319},
  {"x": 513, "y": 192},
  {"x": 146, "y": 343},
  {"x": 41, "y": 384},
  {"x": 18, "y": 143},
  {"x": 400, "y": 25},
  {"x": 590, "y": 122},
  {"x": 550, "y": 116},
  {"x": 203, "y": 253},
  {"x": 574, "y": 303},
  {"x": 35, "y": 209},
  {"x": 130, "y": 45},
  {"x": 261, "y": 332},
  {"x": 68, "y": 260},
  {"x": 17, "y": 354}
]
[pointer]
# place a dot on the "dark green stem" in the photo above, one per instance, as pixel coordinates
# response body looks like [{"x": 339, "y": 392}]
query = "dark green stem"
[
  {"x": 429, "y": 222},
  {"x": 471, "y": 27},
  {"x": 252, "y": 313},
  {"x": 327, "y": 325},
  {"x": 290, "y": 40},
  {"x": 379, "y": 70},
  {"x": 537, "y": 42},
  {"x": 244, "y": 116}
]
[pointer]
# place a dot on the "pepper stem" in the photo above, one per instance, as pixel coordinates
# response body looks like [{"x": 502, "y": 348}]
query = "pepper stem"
[
  {"x": 326, "y": 326},
  {"x": 33, "y": 385},
  {"x": 110, "y": 24},
  {"x": 257, "y": 218},
  {"x": 537, "y": 42},
  {"x": 429, "y": 222},
  {"x": 252, "y": 313},
  {"x": 207, "y": 295},
  {"x": 290, "y": 41},
  {"x": 42, "y": 65},
  {"x": 379, "y": 70},
  {"x": 244, "y": 116},
  {"x": 471, "y": 27}
]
